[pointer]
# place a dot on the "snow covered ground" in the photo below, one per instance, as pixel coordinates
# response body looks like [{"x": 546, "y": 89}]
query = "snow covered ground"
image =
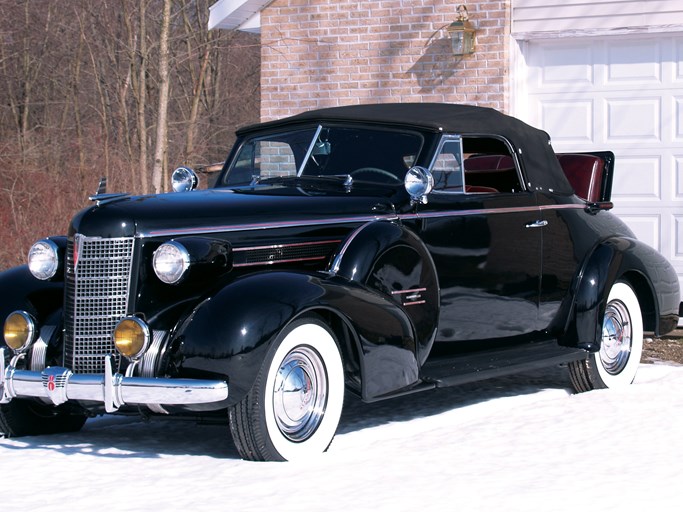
[{"x": 518, "y": 443}]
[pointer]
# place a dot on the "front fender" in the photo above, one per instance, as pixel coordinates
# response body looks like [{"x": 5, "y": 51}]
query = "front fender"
[
  {"x": 392, "y": 260},
  {"x": 20, "y": 290},
  {"x": 229, "y": 335}
]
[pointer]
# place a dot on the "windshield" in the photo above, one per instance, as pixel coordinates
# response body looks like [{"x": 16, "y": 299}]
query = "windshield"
[{"x": 373, "y": 155}]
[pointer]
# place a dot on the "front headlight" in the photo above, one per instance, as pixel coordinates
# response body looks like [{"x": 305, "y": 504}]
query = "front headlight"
[
  {"x": 43, "y": 259},
  {"x": 171, "y": 261},
  {"x": 131, "y": 337},
  {"x": 19, "y": 331}
]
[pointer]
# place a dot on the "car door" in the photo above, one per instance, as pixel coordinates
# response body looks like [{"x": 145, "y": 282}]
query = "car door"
[
  {"x": 483, "y": 232},
  {"x": 568, "y": 235}
]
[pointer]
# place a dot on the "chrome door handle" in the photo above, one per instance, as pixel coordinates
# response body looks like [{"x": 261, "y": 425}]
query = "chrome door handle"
[{"x": 537, "y": 224}]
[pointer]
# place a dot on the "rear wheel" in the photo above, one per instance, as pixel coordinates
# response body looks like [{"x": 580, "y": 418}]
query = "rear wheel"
[
  {"x": 621, "y": 347},
  {"x": 293, "y": 409},
  {"x": 27, "y": 418}
]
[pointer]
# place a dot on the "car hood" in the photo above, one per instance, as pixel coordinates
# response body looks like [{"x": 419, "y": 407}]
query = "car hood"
[{"x": 220, "y": 210}]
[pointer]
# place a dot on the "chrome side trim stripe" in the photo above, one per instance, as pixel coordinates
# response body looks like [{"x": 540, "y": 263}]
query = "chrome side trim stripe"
[
  {"x": 336, "y": 263},
  {"x": 489, "y": 211},
  {"x": 263, "y": 225},
  {"x": 274, "y": 262},
  {"x": 411, "y": 297},
  {"x": 282, "y": 246},
  {"x": 354, "y": 219},
  {"x": 414, "y": 290}
]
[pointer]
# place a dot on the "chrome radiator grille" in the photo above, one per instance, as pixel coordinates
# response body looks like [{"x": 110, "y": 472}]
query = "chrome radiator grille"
[{"x": 97, "y": 290}]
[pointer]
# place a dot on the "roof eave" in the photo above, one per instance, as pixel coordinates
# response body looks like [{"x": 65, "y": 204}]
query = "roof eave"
[{"x": 242, "y": 15}]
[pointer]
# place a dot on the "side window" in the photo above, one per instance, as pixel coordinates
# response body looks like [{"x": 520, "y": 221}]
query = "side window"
[
  {"x": 447, "y": 168},
  {"x": 489, "y": 166}
]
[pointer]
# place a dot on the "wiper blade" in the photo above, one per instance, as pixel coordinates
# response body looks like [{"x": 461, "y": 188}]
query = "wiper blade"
[{"x": 345, "y": 179}]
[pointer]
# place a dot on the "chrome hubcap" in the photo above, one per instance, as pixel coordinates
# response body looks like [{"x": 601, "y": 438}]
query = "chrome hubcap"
[
  {"x": 300, "y": 394},
  {"x": 616, "y": 338}
]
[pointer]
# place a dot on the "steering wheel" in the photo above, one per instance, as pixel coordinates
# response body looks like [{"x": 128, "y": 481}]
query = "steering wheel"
[{"x": 386, "y": 174}]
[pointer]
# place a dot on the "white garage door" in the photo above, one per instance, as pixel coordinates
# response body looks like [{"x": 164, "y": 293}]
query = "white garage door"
[{"x": 623, "y": 94}]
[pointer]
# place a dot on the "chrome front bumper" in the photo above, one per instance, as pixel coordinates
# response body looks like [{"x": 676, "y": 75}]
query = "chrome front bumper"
[{"x": 57, "y": 385}]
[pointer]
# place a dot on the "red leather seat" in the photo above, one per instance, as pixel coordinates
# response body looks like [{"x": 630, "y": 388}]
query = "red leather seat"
[
  {"x": 491, "y": 173},
  {"x": 475, "y": 189},
  {"x": 489, "y": 163},
  {"x": 584, "y": 173}
]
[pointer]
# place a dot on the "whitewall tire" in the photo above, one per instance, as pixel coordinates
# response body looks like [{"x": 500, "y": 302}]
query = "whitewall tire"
[
  {"x": 621, "y": 347},
  {"x": 293, "y": 410}
]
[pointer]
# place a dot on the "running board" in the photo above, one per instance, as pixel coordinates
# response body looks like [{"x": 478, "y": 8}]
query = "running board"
[{"x": 476, "y": 366}]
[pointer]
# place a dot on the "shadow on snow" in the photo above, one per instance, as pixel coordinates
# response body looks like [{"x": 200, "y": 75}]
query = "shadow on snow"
[{"x": 131, "y": 437}]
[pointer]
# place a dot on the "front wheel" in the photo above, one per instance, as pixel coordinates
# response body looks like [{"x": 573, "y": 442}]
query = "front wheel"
[
  {"x": 621, "y": 347},
  {"x": 293, "y": 409},
  {"x": 27, "y": 418}
]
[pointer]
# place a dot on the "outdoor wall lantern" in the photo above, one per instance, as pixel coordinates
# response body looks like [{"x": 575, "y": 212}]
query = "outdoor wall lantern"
[{"x": 461, "y": 32}]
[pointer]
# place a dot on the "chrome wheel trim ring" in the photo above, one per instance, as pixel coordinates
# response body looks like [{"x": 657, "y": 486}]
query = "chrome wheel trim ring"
[
  {"x": 615, "y": 349},
  {"x": 300, "y": 394}
]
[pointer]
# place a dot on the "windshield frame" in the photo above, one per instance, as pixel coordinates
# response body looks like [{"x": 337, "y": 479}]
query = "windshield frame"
[{"x": 315, "y": 130}]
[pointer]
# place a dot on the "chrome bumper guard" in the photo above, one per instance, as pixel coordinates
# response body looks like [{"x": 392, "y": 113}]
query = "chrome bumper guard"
[{"x": 57, "y": 385}]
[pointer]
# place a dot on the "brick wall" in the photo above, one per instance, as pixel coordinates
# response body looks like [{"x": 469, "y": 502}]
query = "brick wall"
[{"x": 321, "y": 53}]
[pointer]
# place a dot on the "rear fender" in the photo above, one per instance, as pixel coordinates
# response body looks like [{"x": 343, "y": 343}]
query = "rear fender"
[
  {"x": 649, "y": 274},
  {"x": 598, "y": 274},
  {"x": 229, "y": 335}
]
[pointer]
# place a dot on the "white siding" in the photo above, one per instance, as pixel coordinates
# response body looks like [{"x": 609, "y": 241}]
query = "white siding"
[
  {"x": 623, "y": 94},
  {"x": 567, "y": 17}
]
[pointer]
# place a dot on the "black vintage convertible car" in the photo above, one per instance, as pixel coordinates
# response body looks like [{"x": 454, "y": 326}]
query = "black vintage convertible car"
[{"x": 377, "y": 250}]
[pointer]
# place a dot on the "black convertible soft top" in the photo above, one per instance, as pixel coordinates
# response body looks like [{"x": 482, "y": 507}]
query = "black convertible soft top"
[{"x": 532, "y": 145}]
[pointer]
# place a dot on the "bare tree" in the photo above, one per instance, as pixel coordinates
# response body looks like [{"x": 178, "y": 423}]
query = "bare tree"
[
  {"x": 142, "y": 95},
  {"x": 202, "y": 43},
  {"x": 117, "y": 88},
  {"x": 162, "y": 111}
]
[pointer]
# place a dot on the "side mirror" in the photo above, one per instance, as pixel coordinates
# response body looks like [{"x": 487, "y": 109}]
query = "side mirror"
[
  {"x": 418, "y": 182},
  {"x": 184, "y": 179},
  {"x": 322, "y": 148}
]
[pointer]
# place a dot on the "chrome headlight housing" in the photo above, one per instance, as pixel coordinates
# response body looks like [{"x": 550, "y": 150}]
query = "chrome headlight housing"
[
  {"x": 19, "y": 331},
  {"x": 184, "y": 179},
  {"x": 418, "y": 182},
  {"x": 43, "y": 259},
  {"x": 171, "y": 261},
  {"x": 131, "y": 337}
]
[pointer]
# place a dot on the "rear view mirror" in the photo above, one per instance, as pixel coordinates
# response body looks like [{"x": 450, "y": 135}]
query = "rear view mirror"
[{"x": 322, "y": 148}]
